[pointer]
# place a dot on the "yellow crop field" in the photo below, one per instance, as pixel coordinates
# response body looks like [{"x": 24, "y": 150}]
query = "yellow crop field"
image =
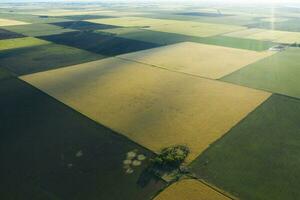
[
  {"x": 268, "y": 35},
  {"x": 196, "y": 28},
  {"x": 277, "y": 36},
  {"x": 21, "y": 42},
  {"x": 132, "y": 21},
  {"x": 154, "y": 107},
  {"x": 198, "y": 59},
  {"x": 190, "y": 189},
  {"x": 171, "y": 26},
  {"x": 245, "y": 33},
  {"x": 63, "y": 12},
  {"x": 10, "y": 22}
]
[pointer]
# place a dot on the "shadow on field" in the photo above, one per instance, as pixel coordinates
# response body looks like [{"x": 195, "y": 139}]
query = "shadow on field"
[
  {"x": 99, "y": 43},
  {"x": 51, "y": 152}
]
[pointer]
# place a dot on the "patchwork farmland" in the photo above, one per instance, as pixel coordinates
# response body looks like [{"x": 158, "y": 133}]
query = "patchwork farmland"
[{"x": 147, "y": 101}]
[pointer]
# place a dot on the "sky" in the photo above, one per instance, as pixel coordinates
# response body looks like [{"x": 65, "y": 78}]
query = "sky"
[{"x": 166, "y": 1}]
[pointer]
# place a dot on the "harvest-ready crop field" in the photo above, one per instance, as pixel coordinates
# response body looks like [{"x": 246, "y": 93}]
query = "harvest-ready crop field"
[{"x": 91, "y": 92}]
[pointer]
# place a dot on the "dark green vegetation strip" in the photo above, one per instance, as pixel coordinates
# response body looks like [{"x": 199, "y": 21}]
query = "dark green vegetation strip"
[
  {"x": 40, "y": 140},
  {"x": 100, "y": 43},
  {"x": 5, "y": 34},
  {"x": 171, "y": 38},
  {"x": 83, "y": 25},
  {"x": 278, "y": 73},
  {"x": 31, "y": 18},
  {"x": 259, "y": 158},
  {"x": 37, "y": 29},
  {"x": 291, "y": 25},
  {"x": 45, "y": 57}
]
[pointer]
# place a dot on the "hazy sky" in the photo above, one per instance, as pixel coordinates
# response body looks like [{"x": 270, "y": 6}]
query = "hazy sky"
[
  {"x": 239, "y": 1},
  {"x": 165, "y": 1}
]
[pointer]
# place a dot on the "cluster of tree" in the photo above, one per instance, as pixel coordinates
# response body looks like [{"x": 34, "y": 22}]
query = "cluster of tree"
[{"x": 170, "y": 158}]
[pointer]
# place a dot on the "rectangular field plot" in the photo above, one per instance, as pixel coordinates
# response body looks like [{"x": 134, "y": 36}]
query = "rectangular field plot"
[
  {"x": 43, "y": 57},
  {"x": 21, "y": 43},
  {"x": 10, "y": 22},
  {"x": 38, "y": 29},
  {"x": 190, "y": 189},
  {"x": 278, "y": 73},
  {"x": 240, "y": 43},
  {"x": 100, "y": 43},
  {"x": 268, "y": 35},
  {"x": 196, "y": 28},
  {"x": 132, "y": 21},
  {"x": 154, "y": 107},
  {"x": 49, "y": 151},
  {"x": 245, "y": 33},
  {"x": 258, "y": 158},
  {"x": 198, "y": 59},
  {"x": 171, "y": 26},
  {"x": 164, "y": 38},
  {"x": 234, "y": 18}
]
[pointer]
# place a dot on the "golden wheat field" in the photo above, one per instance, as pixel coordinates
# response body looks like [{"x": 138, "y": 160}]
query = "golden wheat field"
[
  {"x": 152, "y": 106},
  {"x": 190, "y": 189},
  {"x": 10, "y": 22},
  {"x": 170, "y": 26},
  {"x": 198, "y": 59},
  {"x": 268, "y": 35}
]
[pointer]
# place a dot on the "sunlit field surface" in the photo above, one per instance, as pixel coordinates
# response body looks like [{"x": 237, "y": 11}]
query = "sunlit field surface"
[
  {"x": 190, "y": 189},
  {"x": 91, "y": 92},
  {"x": 115, "y": 98}
]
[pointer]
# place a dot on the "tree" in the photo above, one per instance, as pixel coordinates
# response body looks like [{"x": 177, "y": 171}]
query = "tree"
[{"x": 170, "y": 158}]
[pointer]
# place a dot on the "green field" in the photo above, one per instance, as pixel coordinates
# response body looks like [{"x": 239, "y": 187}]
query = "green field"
[
  {"x": 239, "y": 43},
  {"x": 37, "y": 29},
  {"x": 17, "y": 43},
  {"x": 44, "y": 57},
  {"x": 40, "y": 140},
  {"x": 278, "y": 73},
  {"x": 258, "y": 159}
]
